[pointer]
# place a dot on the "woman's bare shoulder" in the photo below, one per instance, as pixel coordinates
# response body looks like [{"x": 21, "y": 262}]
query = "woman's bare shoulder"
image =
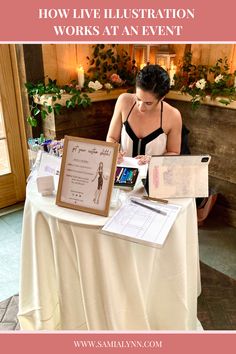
[
  {"x": 124, "y": 104},
  {"x": 172, "y": 118},
  {"x": 171, "y": 111},
  {"x": 126, "y": 98}
]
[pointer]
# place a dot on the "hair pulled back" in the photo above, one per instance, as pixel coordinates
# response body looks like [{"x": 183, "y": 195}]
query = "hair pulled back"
[{"x": 155, "y": 79}]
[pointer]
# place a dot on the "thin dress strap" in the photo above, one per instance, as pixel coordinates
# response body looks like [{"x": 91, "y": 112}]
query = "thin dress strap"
[
  {"x": 130, "y": 111},
  {"x": 161, "y": 112}
]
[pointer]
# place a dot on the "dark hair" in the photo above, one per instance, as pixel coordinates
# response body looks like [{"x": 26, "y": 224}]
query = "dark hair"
[{"x": 155, "y": 79}]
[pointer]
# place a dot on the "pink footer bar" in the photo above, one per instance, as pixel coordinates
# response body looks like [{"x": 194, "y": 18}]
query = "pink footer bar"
[{"x": 163, "y": 343}]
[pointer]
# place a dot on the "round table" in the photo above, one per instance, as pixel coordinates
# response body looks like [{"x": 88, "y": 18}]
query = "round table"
[{"x": 73, "y": 277}]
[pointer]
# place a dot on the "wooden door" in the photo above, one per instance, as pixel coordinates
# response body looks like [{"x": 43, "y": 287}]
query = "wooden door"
[{"x": 12, "y": 164}]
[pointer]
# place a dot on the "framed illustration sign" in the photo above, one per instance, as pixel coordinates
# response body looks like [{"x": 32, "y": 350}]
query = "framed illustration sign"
[{"x": 87, "y": 175}]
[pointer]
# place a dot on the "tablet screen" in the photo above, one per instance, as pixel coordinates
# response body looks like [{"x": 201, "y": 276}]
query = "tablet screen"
[{"x": 126, "y": 176}]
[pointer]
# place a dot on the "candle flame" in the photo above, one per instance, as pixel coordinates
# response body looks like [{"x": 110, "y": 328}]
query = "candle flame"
[{"x": 80, "y": 68}]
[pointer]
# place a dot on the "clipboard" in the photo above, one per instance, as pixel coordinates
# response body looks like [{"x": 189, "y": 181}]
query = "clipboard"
[{"x": 178, "y": 176}]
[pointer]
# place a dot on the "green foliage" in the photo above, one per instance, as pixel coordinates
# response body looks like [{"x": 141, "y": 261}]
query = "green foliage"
[
  {"x": 200, "y": 81},
  {"x": 35, "y": 91},
  {"x": 105, "y": 61}
]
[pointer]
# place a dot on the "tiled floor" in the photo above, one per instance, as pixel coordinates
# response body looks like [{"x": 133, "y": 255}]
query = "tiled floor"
[
  {"x": 10, "y": 240},
  {"x": 217, "y": 246},
  {"x": 8, "y": 314},
  {"x": 217, "y": 302}
]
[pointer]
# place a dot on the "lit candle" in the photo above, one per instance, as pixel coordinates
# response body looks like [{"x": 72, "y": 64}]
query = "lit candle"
[
  {"x": 142, "y": 66},
  {"x": 172, "y": 73},
  {"x": 80, "y": 71},
  {"x": 235, "y": 81}
]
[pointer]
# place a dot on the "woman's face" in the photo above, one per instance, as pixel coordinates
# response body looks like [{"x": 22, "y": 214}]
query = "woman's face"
[{"x": 146, "y": 101}]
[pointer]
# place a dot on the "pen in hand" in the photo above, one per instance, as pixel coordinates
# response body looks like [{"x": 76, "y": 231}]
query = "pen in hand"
[
  {"x": 120, "y": 157},
  {"x": 148, "y": 207}
]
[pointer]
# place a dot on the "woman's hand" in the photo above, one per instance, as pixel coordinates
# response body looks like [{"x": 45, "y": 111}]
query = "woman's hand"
[
  {"x": 143, "y": 159},
  {"x": 120, "y": 157}
]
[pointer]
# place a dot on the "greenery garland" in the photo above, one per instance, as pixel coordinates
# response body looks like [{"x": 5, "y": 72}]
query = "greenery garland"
[
  {"x": 106, "y": 66},
  {"x": 36, "y": 91},
  {"x": 200, "y": 81}
]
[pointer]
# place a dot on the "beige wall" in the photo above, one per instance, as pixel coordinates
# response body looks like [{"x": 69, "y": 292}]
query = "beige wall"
[
  {"x": 61, "y": 60},
  {"x": 207, "y": 54}
]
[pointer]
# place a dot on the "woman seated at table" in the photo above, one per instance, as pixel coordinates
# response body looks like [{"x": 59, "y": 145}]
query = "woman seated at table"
[{"x": 142, "y": 123}]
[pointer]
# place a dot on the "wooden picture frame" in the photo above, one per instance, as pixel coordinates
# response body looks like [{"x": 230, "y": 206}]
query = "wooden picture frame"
[{"x": 87, "y": 175}]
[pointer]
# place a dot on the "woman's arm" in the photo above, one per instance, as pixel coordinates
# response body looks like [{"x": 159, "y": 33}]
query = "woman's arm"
[
  {"x": 114, "y": 130},
  {"x": 174, "y": 135}
]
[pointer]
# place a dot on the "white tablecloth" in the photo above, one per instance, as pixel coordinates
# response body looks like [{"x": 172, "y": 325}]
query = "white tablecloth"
[{"x": 73, "y": 277}]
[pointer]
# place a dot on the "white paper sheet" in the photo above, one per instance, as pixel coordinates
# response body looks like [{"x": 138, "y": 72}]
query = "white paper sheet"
[
  {"x": 49, "y": 165},
  {"x": 143, "y": 225},
  {"x": 132, "y": 162}
]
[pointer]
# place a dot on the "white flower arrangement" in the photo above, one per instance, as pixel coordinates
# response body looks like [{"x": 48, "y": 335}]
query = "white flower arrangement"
[
  {"x": 219, "y": 78},
  {"x": 200, "y": 81},
  {"x": 95, "y": 85},
  {"x": 108, "y": 86},
  {"x": 201, "y": 84}
]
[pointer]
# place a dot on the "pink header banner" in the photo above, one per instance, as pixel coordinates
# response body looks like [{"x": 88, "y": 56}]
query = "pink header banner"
[
  {"x": 158, "y": 343},
  {"x": 117, "y": 21}
]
